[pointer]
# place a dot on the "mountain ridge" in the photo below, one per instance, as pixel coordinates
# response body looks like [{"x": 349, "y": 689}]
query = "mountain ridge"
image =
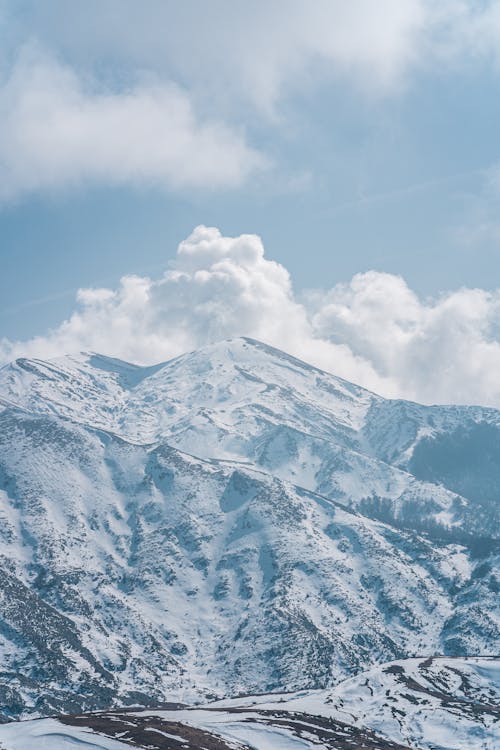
[{"x": 356, "y": 426}]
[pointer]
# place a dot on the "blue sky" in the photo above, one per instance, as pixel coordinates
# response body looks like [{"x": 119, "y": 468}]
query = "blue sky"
[{"x": 350, "y": 137}]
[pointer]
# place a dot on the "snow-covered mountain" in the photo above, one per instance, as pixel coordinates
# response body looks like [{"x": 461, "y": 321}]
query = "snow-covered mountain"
[
  {"x": 429, "y": 468},
  {"x": 232, "y": 521}
]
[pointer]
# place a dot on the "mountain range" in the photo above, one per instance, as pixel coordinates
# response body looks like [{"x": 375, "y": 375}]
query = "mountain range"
[{"x": 233, "y": 521}]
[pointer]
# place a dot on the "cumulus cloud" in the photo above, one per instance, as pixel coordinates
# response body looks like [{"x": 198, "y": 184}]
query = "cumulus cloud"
[
  {"x": 373, "y": 330},
  {"x": 437, "y": 350},
  {"x": 57, "y": 130}
]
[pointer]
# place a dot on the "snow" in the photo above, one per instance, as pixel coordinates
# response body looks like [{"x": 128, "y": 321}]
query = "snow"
[
  {"x": 260, "y": 737},
  {"x": 50, "y": 734},
  {"x": 419, "y": 703},
  {"x": 242, "y": 400}
]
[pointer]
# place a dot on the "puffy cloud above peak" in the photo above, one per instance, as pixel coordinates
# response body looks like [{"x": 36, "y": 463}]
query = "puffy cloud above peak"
[
  {"x": 373, "y": 330},
  {"x": 206, "y": 246},
  {"x": 229, "y": 288}
]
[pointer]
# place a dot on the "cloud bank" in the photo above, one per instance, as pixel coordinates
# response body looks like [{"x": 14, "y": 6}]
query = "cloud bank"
[
  {"x": 249, "y": 51},
  {"x": 261, "y": 51},
  {"x": 152, "y": 98},
  {"x": 174, "y": 126},
  {"x": 373, "y": 330},
  {"x": 59, "y": 130}
]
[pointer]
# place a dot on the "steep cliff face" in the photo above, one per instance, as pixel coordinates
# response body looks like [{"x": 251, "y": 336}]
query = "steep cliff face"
[{"x": 233, "y": 521}]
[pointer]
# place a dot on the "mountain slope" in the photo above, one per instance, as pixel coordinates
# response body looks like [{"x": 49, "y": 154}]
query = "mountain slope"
[{"x": 158, "y": 572}]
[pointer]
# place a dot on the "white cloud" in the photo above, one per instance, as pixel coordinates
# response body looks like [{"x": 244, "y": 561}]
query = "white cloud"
[
  {"x": 231, "y": 63},
  {"x": 57, "y": 130},
  {"x": 259, "y": 51},
  {"x": 373, "y": 330},
  {"x": 441, "y": 350},
  {"x": 254, "y": 51}
]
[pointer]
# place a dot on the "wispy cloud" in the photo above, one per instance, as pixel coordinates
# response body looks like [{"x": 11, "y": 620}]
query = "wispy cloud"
[{"x": 407, "y": 190}]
